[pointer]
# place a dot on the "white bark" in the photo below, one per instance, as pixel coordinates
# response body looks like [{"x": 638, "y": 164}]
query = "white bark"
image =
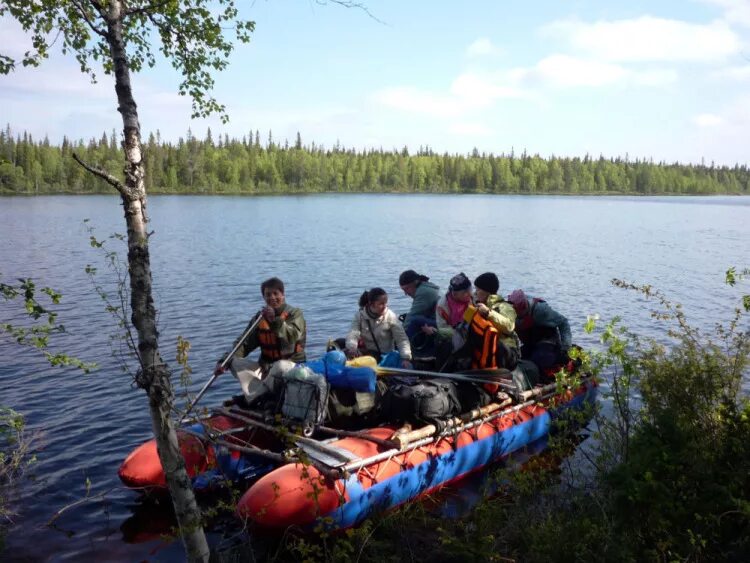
[{"x": 154, "y": 375}]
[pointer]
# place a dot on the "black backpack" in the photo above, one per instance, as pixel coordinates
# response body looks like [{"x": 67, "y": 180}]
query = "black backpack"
[
  {"x": 472, "y": 396},
  {"x": 430, "y": 401}
]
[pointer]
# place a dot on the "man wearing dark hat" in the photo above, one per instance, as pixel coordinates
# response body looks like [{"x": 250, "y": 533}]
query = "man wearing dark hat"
[
  {"x": 544, "y": 333},
  {"x": 424, "y": 293},
  {"x": 419, "y": 322},
  {"x": 501, "y": 314}
]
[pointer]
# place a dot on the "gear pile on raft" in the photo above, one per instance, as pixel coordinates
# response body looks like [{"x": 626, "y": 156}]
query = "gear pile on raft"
[{"x": 397, "y": 409}]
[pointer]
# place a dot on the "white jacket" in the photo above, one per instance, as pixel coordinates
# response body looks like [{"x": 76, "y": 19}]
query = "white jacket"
[{"x": 387, "y": 329}]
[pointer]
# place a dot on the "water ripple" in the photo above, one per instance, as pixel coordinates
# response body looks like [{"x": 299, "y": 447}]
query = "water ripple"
[{"x": 209, "y": 256}]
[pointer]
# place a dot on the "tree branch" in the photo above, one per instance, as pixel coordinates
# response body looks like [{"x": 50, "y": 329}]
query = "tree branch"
[
  {"x": 351, "y": 4},
  {"x": 106, "y": 176},
  {"x": 76, "y": 503},
  {"x": 85, "y": 16},
  {"x": 150, "y": 8},
  {"x": 98, "y": 6}
]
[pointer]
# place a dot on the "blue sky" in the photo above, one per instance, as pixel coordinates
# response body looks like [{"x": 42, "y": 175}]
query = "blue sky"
[{"x": 668, "y": 80}]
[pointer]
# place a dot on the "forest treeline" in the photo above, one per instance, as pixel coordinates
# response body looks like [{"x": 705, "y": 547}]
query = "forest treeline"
[{"x": 249, "y": 166}]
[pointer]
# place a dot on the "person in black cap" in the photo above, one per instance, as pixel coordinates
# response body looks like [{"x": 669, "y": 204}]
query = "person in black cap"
[
  {"x": 502, "y": 316},
  {"x": 424, "y": 293},
  {"x": 419, "y": 322}
]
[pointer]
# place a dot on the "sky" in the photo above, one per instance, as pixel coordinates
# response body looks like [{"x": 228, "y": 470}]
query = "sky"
[{"x": 660, "y": 79}]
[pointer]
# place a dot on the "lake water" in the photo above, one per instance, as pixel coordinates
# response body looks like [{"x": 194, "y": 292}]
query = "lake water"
[{"x": 209, "y": 255}]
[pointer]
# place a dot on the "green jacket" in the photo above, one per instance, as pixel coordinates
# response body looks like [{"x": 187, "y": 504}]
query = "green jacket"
[
  {"x": 290, "y": 330},
  {"x": 425, "y": 300},
  {"x": 503, "y": 317}
]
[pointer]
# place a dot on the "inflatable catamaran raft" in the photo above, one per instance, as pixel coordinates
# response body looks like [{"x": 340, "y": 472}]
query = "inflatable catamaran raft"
[{"x": 300, "y": 468}]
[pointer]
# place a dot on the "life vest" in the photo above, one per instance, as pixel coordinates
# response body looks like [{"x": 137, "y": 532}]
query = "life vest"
[
  {"x": 529, "y": 332},
  {"x": 482, "y": 338},
  {"x": 484, "y": 342},
  {"x": 271, "y": 347}
]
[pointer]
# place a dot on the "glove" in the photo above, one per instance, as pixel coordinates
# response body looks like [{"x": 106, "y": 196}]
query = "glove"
[{"x": 218, "y": 370}]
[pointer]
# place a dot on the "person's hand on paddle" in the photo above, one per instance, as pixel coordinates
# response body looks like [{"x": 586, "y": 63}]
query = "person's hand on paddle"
[
  {"x": 219, "y": 369},
  {"x": 406, "y": 364},
  {"x": 269, "y": 314}
]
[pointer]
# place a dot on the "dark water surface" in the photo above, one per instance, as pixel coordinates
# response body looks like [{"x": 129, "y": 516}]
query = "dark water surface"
[{"x": 209, "y": 255}]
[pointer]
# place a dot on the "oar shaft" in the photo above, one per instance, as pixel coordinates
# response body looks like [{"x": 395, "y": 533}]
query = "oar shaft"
[
  {"x": 223, "y": 364},
  {"x": 242, "y": 339},
  {"x": 451, "y": 376},
  {"x": 199, "y": 396}
]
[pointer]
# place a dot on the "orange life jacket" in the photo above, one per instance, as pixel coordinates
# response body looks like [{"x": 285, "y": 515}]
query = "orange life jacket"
[
  {"x": 270, "y": 345},
  {"x": 483, "y": 338}
]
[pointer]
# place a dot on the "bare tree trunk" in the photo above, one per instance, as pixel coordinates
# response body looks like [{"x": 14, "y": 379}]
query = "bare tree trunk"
[{"x": 154, "y": 375}]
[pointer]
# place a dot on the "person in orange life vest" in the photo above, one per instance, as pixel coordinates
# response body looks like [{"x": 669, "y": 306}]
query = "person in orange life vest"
[
  {"x": 500, "y": 313},
  {"x": 544, "y": 333},
  {"x": 280, "y": 335},
  {"x": 376, "y": 329}
]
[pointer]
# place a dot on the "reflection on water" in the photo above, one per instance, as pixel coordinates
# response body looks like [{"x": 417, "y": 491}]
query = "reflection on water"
[{"x": 209, "y": 255}]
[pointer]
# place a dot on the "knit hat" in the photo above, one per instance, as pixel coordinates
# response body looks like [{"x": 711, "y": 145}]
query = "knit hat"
[
  {"x": 487, "y": 282},
  {"x": 459, "y": 282},
  {"x": 519, "y": 301},
  {"x": 409, "y": 276}
]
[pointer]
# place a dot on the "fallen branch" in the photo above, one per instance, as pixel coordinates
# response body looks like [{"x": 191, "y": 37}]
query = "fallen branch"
[{"x": 77, "y": 503}]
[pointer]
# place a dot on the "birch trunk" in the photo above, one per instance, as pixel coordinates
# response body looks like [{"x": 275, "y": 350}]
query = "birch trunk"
[{"x": 154, "y": 375}]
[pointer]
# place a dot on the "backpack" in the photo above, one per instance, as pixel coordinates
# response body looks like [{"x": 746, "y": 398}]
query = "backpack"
[
  {"x": 305, "y": 397},
  {"x": 472, "y": 396},
  {"x": 348, "y": 408},
  {"x": 429, "y": 401}
]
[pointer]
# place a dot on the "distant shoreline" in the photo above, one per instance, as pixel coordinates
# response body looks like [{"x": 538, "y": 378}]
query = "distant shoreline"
[
  {"x": 352, "y": 193},
  {"x": 248, "y": 167}
]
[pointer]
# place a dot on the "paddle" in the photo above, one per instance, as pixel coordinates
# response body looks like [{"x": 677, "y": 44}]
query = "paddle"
[
  {"x": 222, "y": 366},
  {"x": 495, "y": 376}
]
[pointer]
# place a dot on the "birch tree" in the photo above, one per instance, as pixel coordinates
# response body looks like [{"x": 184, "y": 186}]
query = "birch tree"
[{"x": 196, "y": 37}]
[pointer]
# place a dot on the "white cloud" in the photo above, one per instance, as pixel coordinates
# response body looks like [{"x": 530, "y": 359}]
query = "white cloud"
[
  {"x": 408, "y": 98},
  {"x": 735, "y": 11},
  {"x": 57, "y": 78},
  {"x": 707, "y": 120},
  {"x": 660, "y": 77},
  {"x": 649, "y": 39},
  {"x": 734, "y": 117},
  {"x": 738, "y": 114},
  {"x": 469, "y": 92},
  {"x": 564, "y": 71},
  {"x": 722, "y": 135},
  {"x": 738, "y": 73},
  {"x": 483, "y": 46},
  {"x": 470, "y": 129},
  {"x": 477, "y": 90}
]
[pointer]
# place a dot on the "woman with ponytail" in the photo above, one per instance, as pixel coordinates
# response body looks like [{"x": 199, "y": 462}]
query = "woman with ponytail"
[{"x": 376, "y": 329}]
